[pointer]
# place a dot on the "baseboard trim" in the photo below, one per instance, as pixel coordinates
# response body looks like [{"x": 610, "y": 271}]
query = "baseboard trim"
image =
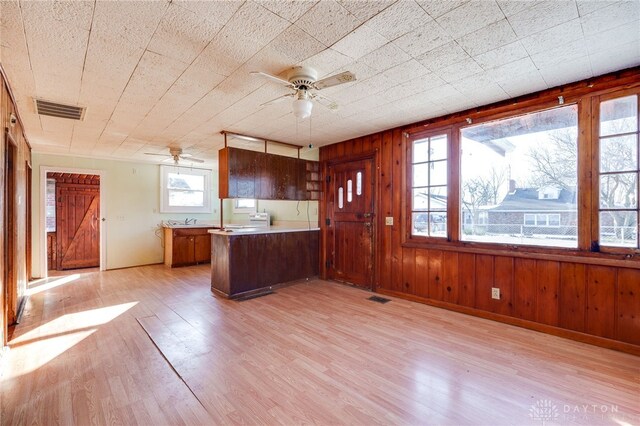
[{"x": 518, "y": 322}]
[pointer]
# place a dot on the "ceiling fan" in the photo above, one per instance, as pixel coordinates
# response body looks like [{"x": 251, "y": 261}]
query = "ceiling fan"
[
  {"x": 305, "y": 84},
  {"x": 175, "y": 154}
]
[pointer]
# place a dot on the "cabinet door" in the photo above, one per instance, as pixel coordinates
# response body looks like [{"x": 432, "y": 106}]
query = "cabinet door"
[
  {"x": 202, "y": 248},
  {"x": 183, "y": 250}
]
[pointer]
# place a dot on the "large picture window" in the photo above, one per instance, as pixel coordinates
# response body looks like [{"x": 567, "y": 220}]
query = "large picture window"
[
  {"x": 619, "y": 170},
  {"x": 429, "y": 186},
  {"x": 185, "y": 190},
  {"x": 518, "y": 182}
]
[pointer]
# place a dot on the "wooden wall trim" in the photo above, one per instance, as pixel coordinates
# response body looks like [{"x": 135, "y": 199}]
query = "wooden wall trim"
[
  {"x": 531, "y": 325},
  {"x": 3, "y": 74}
]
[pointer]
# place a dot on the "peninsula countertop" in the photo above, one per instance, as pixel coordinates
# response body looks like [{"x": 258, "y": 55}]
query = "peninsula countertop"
[{"x": 258, "y": 230}]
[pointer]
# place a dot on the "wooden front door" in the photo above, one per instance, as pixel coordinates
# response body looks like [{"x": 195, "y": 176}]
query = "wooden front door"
[
  {"x": 77, "y": 226},
  {"x": 351, "y": 222}
]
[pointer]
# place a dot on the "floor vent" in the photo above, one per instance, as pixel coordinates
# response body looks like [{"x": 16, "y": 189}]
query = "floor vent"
[
  {"x": 253, "y": 296},
  {"x": 53, "y": 109},
  {"x": 379, "y": 299}
]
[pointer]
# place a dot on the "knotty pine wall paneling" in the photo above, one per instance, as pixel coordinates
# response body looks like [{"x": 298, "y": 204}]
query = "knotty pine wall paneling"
[
  {"x": 587, "y": 296},
  {"x": 15, "y": 290}
]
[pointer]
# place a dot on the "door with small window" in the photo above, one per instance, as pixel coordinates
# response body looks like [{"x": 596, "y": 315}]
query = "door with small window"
[{"x": 351, "y": 222}]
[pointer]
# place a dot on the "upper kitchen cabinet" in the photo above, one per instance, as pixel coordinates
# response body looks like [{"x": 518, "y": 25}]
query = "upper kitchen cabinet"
[{"x": 264, "y": 176}]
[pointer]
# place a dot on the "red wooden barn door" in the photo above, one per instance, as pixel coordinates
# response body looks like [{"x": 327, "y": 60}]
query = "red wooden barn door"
[
  {"x": 352, "y": 218},
  {"x": 77, "y": 226}
]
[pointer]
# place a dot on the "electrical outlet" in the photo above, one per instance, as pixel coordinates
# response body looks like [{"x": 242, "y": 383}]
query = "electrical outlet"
[
  {"x": 388, "y": 220},
  {"x": 495, "y": 293}
]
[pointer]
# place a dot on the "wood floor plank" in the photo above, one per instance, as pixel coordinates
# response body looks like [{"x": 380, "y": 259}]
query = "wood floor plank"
[{"x": 152, "y": 345}]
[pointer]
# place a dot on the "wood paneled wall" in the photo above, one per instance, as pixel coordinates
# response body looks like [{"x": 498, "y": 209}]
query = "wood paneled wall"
[
  {"x": 590, "y": 297},
  {"x": 12, "y": 293}
]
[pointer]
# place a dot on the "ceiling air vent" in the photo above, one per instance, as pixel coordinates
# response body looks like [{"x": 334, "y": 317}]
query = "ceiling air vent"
[{"x": 59, "y": 110}]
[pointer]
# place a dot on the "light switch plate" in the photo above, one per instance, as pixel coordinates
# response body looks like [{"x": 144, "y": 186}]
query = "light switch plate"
[{"x": 388, "y": 220}]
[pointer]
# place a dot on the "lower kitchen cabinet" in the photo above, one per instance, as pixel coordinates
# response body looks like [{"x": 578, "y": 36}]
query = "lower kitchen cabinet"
[{"x": 186, "y": 246}]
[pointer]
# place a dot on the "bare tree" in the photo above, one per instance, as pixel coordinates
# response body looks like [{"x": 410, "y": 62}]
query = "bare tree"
[
  {"x": 556, "y": 166},
  {"x": 482, "y": 191}
]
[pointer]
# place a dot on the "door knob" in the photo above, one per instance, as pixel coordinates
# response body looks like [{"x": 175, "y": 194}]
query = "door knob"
[{"x": 368, "y": 214}]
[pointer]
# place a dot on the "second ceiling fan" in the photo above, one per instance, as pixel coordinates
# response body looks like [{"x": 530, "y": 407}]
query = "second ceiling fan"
[{"x": 305, "y": 85}]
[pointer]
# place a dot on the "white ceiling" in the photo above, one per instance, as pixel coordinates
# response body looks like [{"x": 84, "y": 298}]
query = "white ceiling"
[{"x": 158, "y": 73}]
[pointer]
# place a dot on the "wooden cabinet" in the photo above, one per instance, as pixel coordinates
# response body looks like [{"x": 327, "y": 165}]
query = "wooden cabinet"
[
  {"x": 186, "y": 246},
  {"x": 252, "y": 174},
  {"x": 274, "y": 258}
]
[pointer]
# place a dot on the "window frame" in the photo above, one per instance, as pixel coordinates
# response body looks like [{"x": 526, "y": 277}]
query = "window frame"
[
  {"x": 207, "y": 174},
  {"x": 596, "y": 245},
  {"x": 409, "y": 138},
  {"x": 586, "y": 97},
  {"x": 237, "y": 209}
]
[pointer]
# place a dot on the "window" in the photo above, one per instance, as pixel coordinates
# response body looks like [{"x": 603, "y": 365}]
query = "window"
[
  {"x": 619, "y": 170},
  {"x": 50, "y": 208},
  {"x": 514, "y": 171},
  {"x": 244, "y": 205},
  {"x": 185, "y": 190},
  {"x": 429, "y": 186}
]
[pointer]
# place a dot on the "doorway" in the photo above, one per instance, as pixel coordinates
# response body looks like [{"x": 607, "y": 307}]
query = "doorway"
[
  {"x": 71, "y": 220},
  {"x": 351, "y": 211},
  {"x": 73, "y": 229}
]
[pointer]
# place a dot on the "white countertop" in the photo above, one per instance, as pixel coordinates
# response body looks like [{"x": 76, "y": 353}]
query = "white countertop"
[
  {"x": 255, "y": 230},
  {"x": 191, "y": 225}
]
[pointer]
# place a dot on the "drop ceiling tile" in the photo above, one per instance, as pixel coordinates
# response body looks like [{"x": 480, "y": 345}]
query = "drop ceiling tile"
[
  {"x": 400, "y": 18},
  {"x": 182, "y": 34},
  {"x": 426, "y": 82},
  {"x": 567, "y": 71},
  {"x": 488, "y": 38},
  {"x": 502, "y": 55},
  {"x": 328, "y": 22},
  {"x": 470, "y": 17},
  {"x": 327, "y": 62},
  {"x": 436, "y": 9},
  {"x": 524, "y": 84},
  {"x": 443, "y": 56},
  {"x": 543, "y": 15},
  {"x": 459, "y": 70},
  {"x": 365, "y": 10},
  {"x": 385, "y": 57},
  {"x": 610, "y": 17},
  {"x": 132, "y": 22},
  {"x": 218, "y": 12},
  {"x": 511, "y": 7},
  {"x": 511, "y": 70},
  {"x": 552, "y": 37},
  {"x": 613, "y": 38},
  {"x": 423, "y": 39},
  {"x": 291, "y": 10},
  {"x": 296, "y": 45},
  {"x": 405, "y": 72},
  {"x": 359, "y": 42},
  {"x": 588, "y": 6},
  {"x": 616, "y": 58},
  {"x": 560, "y": 54}
]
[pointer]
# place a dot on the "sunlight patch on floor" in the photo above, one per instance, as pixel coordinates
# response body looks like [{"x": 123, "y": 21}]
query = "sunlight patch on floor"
[
  {"x": 39, "y": 346},
  {"x": 44, "y": 284}
]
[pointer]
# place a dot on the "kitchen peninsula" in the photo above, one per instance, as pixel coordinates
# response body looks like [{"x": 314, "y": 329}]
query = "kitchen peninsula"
[{"x": 251, "y": 260}]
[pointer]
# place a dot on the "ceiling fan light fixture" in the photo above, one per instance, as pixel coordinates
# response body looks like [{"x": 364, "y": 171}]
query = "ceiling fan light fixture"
[{"x": 302, "y": 108}]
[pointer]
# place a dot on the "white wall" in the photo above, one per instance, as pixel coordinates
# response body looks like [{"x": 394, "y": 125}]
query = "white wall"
[{"x": 132, "y": 192}]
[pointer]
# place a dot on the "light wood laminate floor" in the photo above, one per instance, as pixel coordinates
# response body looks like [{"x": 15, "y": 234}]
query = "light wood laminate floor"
[{"x": 152, "y": 345}]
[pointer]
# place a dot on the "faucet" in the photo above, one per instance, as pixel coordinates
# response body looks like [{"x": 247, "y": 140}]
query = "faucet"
[{"x": 187, "y": 221}]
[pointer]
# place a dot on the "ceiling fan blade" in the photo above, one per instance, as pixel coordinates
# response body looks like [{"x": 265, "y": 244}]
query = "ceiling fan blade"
[
  {"x": 161, "y": 155},
  {"x": 325, "y": 102},
  {"x": 278, "y": 99},
  {"x": 167, "y": 160},
  {"x": 195, "y": 160},
  {"x": 334, "y": 80},
  {"x": 272, "y": 77}
]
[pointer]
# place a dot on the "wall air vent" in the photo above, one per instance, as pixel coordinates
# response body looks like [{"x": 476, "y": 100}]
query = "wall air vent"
[{"x": 59, "y": 110}]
